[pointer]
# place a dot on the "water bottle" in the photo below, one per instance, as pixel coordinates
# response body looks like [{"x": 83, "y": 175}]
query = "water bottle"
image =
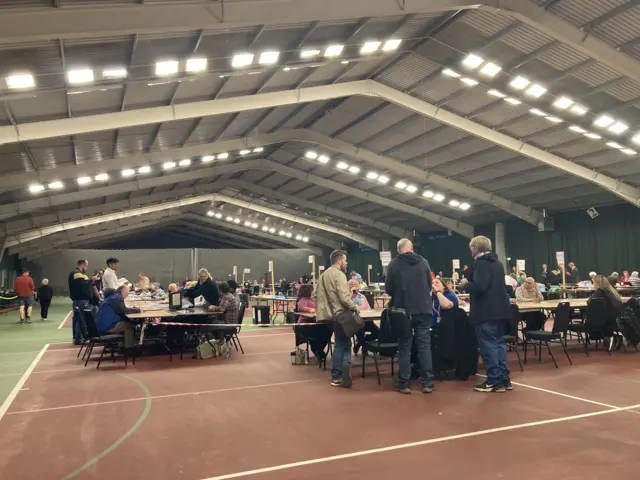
[
  {"x": 228, "y": 351},
  {"x": 306, "y": 357}
]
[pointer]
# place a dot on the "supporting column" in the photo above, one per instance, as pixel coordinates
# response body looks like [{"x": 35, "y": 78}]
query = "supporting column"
[
  {"x": 193, "y": 264},
  {"x": 3, "y": 242},
  {"x": 499, "y": 245}
]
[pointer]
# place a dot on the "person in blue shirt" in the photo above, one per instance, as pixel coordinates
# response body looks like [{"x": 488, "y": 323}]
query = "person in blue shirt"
[
  {"x": 443, "y": 299},
  {"x": 110, "y": 316}
]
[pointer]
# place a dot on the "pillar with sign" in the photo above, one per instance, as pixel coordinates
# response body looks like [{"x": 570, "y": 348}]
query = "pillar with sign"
[
  {"x": 246, "y": 270},
  {"x": 273, "y": 278},
  {"x": 455, "y": 265},
  {"x": 235, "y": 273},
  {"x": 385, "y": 259},
  {"x": 369, "y": 267},
  {"x": 312, "y": 261},
  {"x": 560, "y": 261},
  {"x": 520, "y": 264}
]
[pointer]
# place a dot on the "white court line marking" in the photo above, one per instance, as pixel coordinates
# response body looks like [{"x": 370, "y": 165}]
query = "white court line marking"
[
  {"x": 64, "y": 320},
  {"x": 14, "y": 393},
  {"x": 417, "y": 444},
  {"x": 172, "y": 395}
]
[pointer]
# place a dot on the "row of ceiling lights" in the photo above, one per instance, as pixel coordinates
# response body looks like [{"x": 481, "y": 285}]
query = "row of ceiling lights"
[
  {"x": 383, "y": 179},
  {"x": 535, "y": 90},
  {"x": 169, "y": 67},
  {"x": 146, "y": 169},
  {"x": 255, "y": 226}
]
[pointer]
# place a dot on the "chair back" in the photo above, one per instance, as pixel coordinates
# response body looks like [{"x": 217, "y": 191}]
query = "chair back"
[
  {"x": 400, "y": 322},
  {"x": 369, "y": 297},
  {"x": 90, "y": 322},
  {"x": 596, "y": 314},
  {"x": 241, "y": 310},
  {"x": 388, "y": 340},
  {"x": 562, "y": 318}
]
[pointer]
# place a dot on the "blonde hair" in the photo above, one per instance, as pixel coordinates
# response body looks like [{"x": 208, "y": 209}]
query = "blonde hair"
[
  {"x": 172, "y": 288},
  {"x": 204, "y": 271},
  {"x": 600, "y": 281},
  {"x": 481, "y": 243}
]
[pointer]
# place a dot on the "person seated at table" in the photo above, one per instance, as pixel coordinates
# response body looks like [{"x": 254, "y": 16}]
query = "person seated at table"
[
  {"x": 143, "y": 283},
  {"x": 529, "y": 292},
  {"x": 110, "y": 318},
  {"x": 305, "y": 303},
  {"x": 443, "y": 299},
  {"x": 613, "y": 305},
  {"x": 613, "y": 281},
  {"x": 156, "y": 291},
  {"x": 317, "y": 335},
  {"x": 173, "y": 288},
  {"x": 228, "y": 305},
  {"x": 206, "y": 288},
  {"x": 625, "y": 277},
  {"x": 371, "y": 331},
  {"x": 634, "y": 280}
]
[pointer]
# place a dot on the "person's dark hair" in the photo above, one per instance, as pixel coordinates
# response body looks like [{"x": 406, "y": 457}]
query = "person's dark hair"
[
  {"x": 613, "y": 281},
  {"x": 233, "y": 285},
  {"x": 224, "y": 287},
  {"x": 111, "y": 260},
  {"x": 337, "y": 255},
  {"x": 305, "y": 291},
  {"x": 446, "y": 285},
  {"x": 121, "y": 287},
  {"x": 81, "y": 262}
]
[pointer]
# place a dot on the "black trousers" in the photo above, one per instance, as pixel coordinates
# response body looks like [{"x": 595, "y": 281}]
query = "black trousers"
[{"x": 44, "y": 308}]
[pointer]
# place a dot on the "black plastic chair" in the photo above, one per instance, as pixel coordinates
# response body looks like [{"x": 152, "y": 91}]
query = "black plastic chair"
[
  {"x": 594, "y": 324},
  {"x": 391, "y": 322},
  {"x": 511, "y": 337},
  {"x": 231, "y": 336},
  {"x": 110, "y": 341},
  {"x": 557, "y": 334}
]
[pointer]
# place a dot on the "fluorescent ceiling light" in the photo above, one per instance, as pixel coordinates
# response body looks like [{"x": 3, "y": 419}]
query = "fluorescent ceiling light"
[
  {"x": 629, "y": 151},
  {"x": 563, "y": 103},
  {"x": 289, "y": 234},
  {"x": 401, "y": 185},
  {"x": 258, "y": 149},
  {"x": 370, "y": 47},
  {"x": 269, "y": 57},
  {"x": 614, "y": 145},
  {"x": 438, "y": 197},
  {"x": 412, "y": 188},
  {"x": 603, "y": 121},
  {"x": 465, "y": 206},
  {"x": 166, "y": 67},
  {"x": 242, "y": 60},
  {"x": 618, "y": 128},
  {"x": 311, "y": 155},
  {"x": 579, "y": 110},
  {"x": 247, "y": 223},
  {"x": 333, "y": 51},
  {"x": 469, "y": 81},
  {"x": 196, "y": 65},
  {"x": 450, "y": 73},
  {"x": 593, "y": 136},
  {"x": 536, "y": 90},
  {"x": 114, "y": 72},
  {"x": 208, "y": 158},
  {"x": 282, "y": 233},
  {"x": 519, "y": 83},
  {"x": 102, "y": 177},
  {"x": 372, "y": 175},
  {"x": 310, "y": 53},
  {"x": 323, "y": 159},
  {"x": 496, "y": 93},
  {"x": 128, "y": 172},
  {"x": 391, "y": 44},
  {"x": 229, "y": 219},
  {"x": 79, "y": 76},
  {"x": 490, "y": 69},
  {"x": 210, "y": 213},
  {"x": 512, "y": 101},
  {"x": 236, "y": 220},
  {"x": 272, "y": 230},
  {"x": 636, "y": 139},
  {"x": 185, "y": 162},
  {"x": 223, "y": 156},
  {"x": 383, "y": 179},
  {"x": 36, "y": 187},
  {"x": 345, "y": 62},
  {"x": 265, "y": 228},
  {"x": 454, "y": 203},
  {"x": 22, "y": 80},
  {"x": 554, "y": 119},
  {"x": 472, "y": 61},
  {"x": 57, "y": 185},
  {"x": 84, "y": 180},
  {"x": 254, "y": 225},
  {"x": 538, "y": 112},
  {"x": 169, "y": 165},
  {"x": 354, "y": 169},
  {"x": 244, "y": 152},
  {"x": 298, "y": 237},
  {"x": 218, "y": 215},
  {"x": 342, "y": 166},
  {"x": 428, "y": 194},
  {"x": 305, "y": 239},
  {"x": 577, "y": 129},
  {"x": 145, "y": 169}
]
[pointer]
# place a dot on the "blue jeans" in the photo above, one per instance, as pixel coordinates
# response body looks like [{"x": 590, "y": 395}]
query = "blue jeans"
[
  {"x": 341, "y": 354},
  {"x": 79, "y": 329},
  {"x": 422, "y": 334},
  {"x": 493, "y": 350}
]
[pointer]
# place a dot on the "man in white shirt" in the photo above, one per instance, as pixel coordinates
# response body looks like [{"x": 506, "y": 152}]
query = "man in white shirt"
[{"x": 110, "y": 281}]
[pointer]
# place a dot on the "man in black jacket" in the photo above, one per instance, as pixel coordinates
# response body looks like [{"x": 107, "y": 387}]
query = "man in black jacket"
[
  {"x": 409, "y": 285},
  {"x": 490, "y": 311},
  {"x": 80, "y": 294}
]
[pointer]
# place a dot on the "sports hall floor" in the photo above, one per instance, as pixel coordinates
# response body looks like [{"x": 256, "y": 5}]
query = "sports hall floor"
[{"x": 256, "y": 416}]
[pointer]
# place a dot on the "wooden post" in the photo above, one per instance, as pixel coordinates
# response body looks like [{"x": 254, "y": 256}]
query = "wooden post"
[
  {"x": 235, "y": 273},
  {"x": 312, "y": 260},
  {"x": 564, "y": 283},
  {"x": 273, "y": 278},
  {"x": 369, "y": 267},
  {"x": 242, "y": 278}
]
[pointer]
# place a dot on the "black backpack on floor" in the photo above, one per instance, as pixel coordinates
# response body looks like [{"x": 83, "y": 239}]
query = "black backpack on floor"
[{"x": 629, "y": 323}]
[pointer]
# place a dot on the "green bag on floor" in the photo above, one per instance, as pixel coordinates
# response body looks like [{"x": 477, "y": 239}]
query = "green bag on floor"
[{"x": 211, "y": 348}]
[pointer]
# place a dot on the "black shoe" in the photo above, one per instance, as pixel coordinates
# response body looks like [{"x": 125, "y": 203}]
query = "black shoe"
[
  {"x": 485, "y": 387},
  {"x": 356, "y": 348},
  {"x": 507, "y": 385}
]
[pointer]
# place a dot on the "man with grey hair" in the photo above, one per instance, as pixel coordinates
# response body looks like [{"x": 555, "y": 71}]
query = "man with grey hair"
[
  {"x": 409, "y": 285},
  {"x": 490, "y": 311}
]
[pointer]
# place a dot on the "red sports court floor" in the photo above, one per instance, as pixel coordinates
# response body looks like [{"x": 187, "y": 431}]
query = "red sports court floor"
[{"x": 257, "y": 416}]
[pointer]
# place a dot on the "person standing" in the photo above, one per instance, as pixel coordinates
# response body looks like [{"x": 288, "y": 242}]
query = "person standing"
[
  {"x": 25, "y": 290},
  {"x": 546, "y": 273},
  {"x": 334, "y": 296},
  {"x": 80, "y": 294},
  {"x": 409, "y": 284},
  {"x": 574, "y": 272},
  {"x": 490, "y": 311},
  {"x": 44, "y": 296},
  {"x": 110, "y": 279}
]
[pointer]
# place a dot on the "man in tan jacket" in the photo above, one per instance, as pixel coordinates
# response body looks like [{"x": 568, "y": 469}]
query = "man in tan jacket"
[{"x": 334, "y": 296}]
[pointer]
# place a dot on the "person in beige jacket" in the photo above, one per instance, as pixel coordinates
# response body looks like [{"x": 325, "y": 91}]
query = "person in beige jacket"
[{"x": 334, "y": 296}]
